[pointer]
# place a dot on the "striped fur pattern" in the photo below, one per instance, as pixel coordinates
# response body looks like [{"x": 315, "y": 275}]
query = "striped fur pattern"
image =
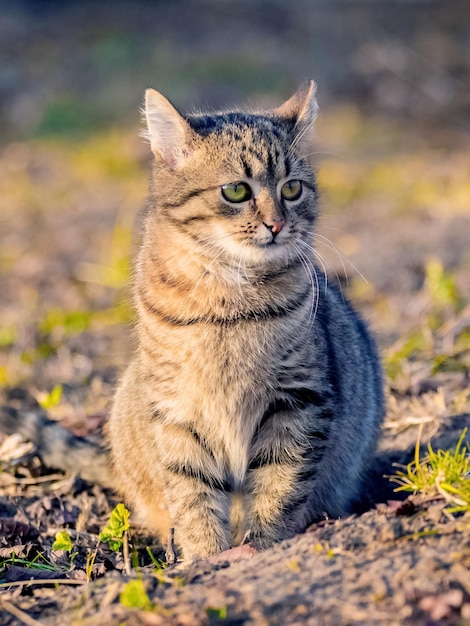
[{"x": 252, "y": 405}]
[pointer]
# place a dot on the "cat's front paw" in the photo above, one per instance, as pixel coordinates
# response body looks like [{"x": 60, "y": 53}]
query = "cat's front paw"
[
  {"x": 192, "y": 551},
  {"x": 245, "y": 551}
]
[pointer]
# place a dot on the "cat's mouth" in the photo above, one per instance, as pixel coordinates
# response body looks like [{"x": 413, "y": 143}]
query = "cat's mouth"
[
  {"x": 268, "y": 244},
  {"x": 272, "y": 242}
]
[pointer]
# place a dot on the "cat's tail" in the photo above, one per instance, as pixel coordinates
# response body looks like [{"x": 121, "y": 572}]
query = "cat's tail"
[{"x": 56, "y": 446}]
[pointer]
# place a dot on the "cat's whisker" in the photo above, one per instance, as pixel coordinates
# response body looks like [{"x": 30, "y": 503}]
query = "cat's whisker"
[
  {"x": 323, "y": 262},
  {"x": 317, "y": 256},
  {"x": 214, "y": 240},
  {"x": 313, "y": 280},
  {"x": 243, "y": 263},
  {"x": 341, "y": 256},
  {"x": 210, "y": 266},
  {"x": 336, "y": 229},
  {"x": 239, "y": 264},
  {"x": 317, "y": 291},
  {"x": 286, "y": 257},
  {"x": 342, "y": 259},
  {"x": 320, "y": 153},
  {"x": 298, "y": 138}
]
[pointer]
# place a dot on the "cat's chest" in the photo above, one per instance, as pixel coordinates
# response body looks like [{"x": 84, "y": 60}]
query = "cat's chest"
[
  {"x": 223, "y": 369},
  {"x": 222, "y": 388}
]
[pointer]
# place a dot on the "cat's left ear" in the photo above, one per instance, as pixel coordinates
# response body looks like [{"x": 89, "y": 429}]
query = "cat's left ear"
[
  {"x": 301, "y": 109},
  {"x": 170, "y": 135}
]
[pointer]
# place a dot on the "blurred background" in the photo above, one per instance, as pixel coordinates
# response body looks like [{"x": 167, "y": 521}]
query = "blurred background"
[
  {"x": 392, "y": 148},
  {"x": 82, "y": 66}
]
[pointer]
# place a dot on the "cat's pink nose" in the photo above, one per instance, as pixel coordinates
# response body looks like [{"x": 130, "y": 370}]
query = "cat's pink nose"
[{"x": 275, "y": 226}]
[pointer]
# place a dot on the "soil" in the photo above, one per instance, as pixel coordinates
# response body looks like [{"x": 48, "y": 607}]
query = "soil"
[
  {"x": 400, "y": 562},
  {"x": 395, "y": 194}
]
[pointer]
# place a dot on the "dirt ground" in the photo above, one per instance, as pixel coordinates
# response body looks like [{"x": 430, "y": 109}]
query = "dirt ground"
[{"x": 394, "y": 175}]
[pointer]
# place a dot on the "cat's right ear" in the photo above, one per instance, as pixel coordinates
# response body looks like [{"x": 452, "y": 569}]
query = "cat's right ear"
[
  {"x": 170, "y": 135},
  {"x": 301, "y": 110},
  {"x": 302, "y": 107}
]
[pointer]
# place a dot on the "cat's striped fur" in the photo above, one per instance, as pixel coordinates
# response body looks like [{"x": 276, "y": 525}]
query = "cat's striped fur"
[{"x": 254, "y": 398}]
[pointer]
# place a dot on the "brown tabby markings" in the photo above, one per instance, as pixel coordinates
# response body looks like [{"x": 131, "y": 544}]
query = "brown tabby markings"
[{"x": 254, "y": 398}]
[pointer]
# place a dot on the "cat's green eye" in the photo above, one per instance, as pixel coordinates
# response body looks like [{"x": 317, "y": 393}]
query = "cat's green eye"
[
  {"x": 236, "y": 192},
  {"x": 292, "y": 190}
]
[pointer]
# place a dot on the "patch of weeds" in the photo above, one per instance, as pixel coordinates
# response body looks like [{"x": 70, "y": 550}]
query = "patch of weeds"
[
  {"x": 90, "y": 562},
  {"x": 8, "y": 336},
  {"x": 442, "y": 289},
  {"x": 114, "y": 532},
  {"x": 158, "y": 563},
  {"x": 57, "y": 325},
  {"x": 4, "y": 377},
  {"x": 442, "y": 340},
  {"x": 439, "y": 473},
  {"x": 114, "y": 269},
  {"x": 39, "y": 562},
  {"x": 68, "y": 114},
  {"x": 294, "y": 566},
  {"x": 159, "y": 571},
  {"x": 71, "y": 322},
  {"x": 51, "y": 399},
  {"x": 134, "y": 595},
  {"x": 325, "y": 549},
  {"x": 215, "y": 614},
  {"x": 159, "y": 567},
  {"x": 404, "y": 180},
  {"x": 417, "y": 343},
  {"x": 62, "y": 541},
  {"x": 108, "y": 156},
  {"x": 433, "y": 532},
  {"x": 449, "y": 363}
]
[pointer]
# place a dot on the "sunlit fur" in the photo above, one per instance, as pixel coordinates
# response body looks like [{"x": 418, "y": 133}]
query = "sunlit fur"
[{"x": 252, "y": 382}]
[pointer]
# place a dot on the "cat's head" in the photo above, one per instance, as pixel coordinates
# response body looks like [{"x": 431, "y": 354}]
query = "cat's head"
[{"x": 237, "y": 184}]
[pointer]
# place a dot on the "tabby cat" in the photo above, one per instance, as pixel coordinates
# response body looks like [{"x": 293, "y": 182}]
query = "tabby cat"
[{"x": 253, "y": 402}]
